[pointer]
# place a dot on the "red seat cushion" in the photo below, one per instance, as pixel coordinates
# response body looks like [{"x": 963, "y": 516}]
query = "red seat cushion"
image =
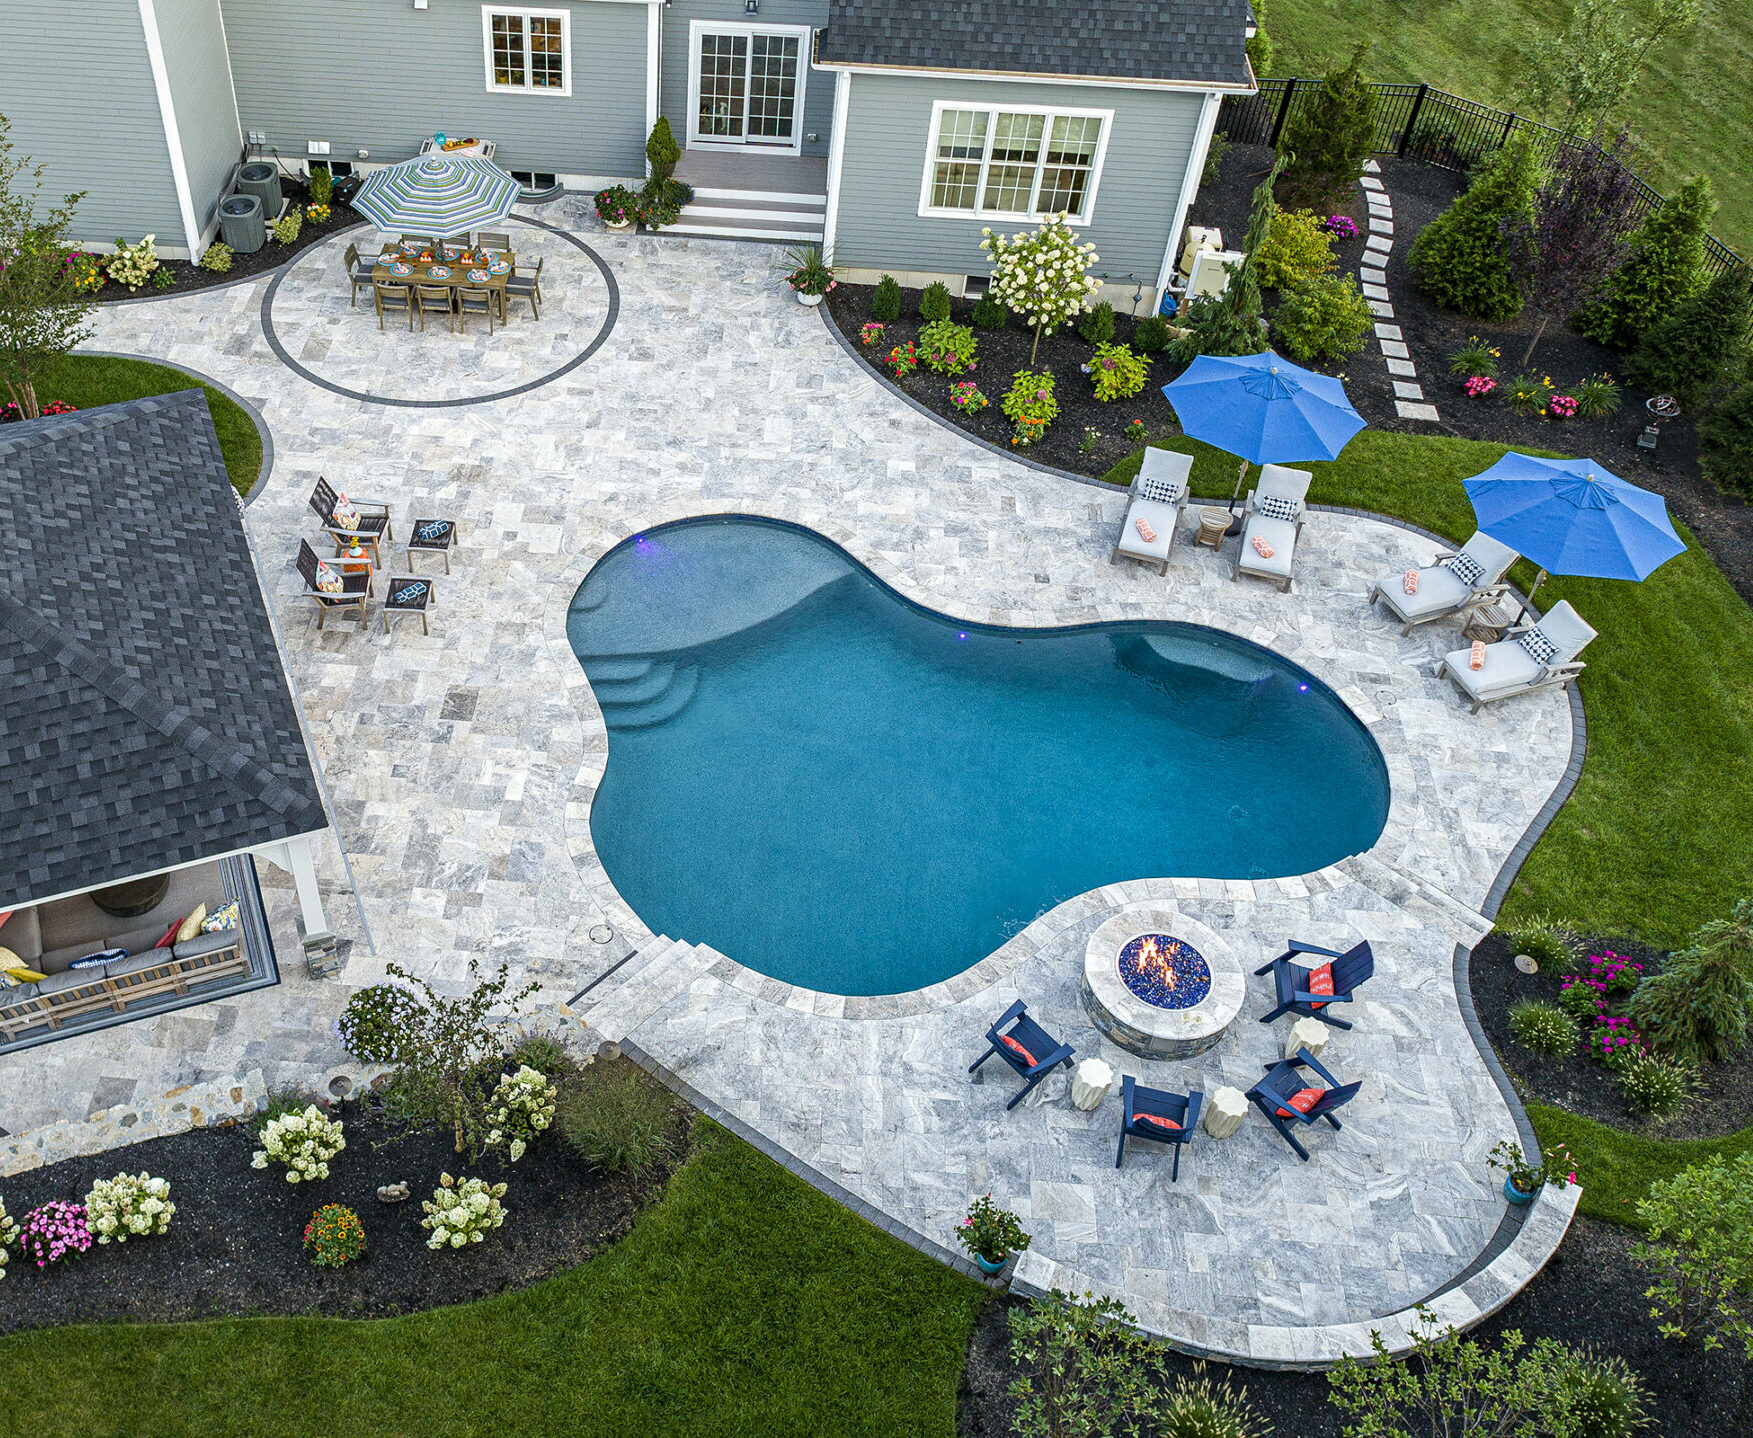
[
  {"x": 1321, "y": 982},
  {"x": 1157, "y": 1119},
  {"x": 1017, "y": 1049},
  {"x": 1302, "y": 1101}
]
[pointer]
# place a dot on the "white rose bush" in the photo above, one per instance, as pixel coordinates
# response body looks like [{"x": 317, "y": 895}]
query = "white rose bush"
[
  {"x": 132, "y": 265},
  {"x": 459, "y": 1214},
  {"x": 304, "y": 1142},
  {"x": 1042, "y": 276},
  {"x": 8, "y": 1237},
  {"x": 522, "y": 1107},
  {"x": 128, "y": 1206}
]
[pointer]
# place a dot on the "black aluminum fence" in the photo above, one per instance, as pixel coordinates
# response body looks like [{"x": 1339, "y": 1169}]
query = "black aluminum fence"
[{"x": 1415, "y": 122}]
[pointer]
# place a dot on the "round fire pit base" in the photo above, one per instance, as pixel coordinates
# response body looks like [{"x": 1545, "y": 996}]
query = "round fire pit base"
[{"x": 1143, "y": 1028}]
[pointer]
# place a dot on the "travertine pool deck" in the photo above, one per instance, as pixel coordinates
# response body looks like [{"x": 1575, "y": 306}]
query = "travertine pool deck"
[{"x": 462, "y": 767}]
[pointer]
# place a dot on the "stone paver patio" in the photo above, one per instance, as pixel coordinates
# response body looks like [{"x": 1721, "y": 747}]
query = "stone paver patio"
[{"x": 462, "y": 767}]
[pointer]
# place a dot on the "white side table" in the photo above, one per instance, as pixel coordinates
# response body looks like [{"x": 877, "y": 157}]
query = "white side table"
[
  {"x": 1223, "y": 1111},
  {"x": 1310, "y": 1034},
  {"x": 1091, "y": 1082}
]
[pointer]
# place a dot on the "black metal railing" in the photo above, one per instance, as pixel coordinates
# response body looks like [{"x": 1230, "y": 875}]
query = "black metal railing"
[{"x": 1417, "y": 122}]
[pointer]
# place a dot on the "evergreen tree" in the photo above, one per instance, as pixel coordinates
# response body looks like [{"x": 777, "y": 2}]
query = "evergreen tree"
[
  {"x": 1701, "y": 345},
  {"x": 1458, "y": 259},
  {"x": 1665, "y": 267},
  {"x": 1260, "y": 52},
  {"x": 661, "y": 150},
  {"x": 1329, "y": 137},
  {"x": 1229, "y": 324},
  {"x": 1699, "y": 1005},
  {"x": 1725, "y": 443}
]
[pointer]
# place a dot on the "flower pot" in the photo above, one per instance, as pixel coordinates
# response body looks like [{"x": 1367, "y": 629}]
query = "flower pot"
[
  {"x": 619, "y": 224},
  {"x": 811, "y": 300},
  {"x": 987, "y": 1265},
  {"x": 1515, "y": 1195}
]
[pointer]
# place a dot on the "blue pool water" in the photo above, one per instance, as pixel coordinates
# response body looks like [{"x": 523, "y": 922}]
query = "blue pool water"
[{"x": 840, "y": 789}]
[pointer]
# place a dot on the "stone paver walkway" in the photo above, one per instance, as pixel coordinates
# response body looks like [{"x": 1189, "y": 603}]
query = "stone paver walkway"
[{"x": 1409, "y": 397}]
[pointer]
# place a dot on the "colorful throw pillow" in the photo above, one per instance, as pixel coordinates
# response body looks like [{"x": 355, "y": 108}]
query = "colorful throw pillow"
[
  {"x": 1017, "y": 1049},
  {"x": 1476, "y": 655},
  {"x": 344, "y": 515},
  {"x": 1261, "y": 547},
  {"x": 328, "y": 581},
  {"x": 1465, "y": 568},
  {"x": 21, "y": 974},
  {"x": 1157, "y": 1119},
  {"x": 1540, "y": 649},
  {"x": 7, "y": 915},
  {"x": 1321, "y": 982},
  {"x": 225, "y": 918},
  {"x": 1302, "y": 1101},
  {"x": 191, "y": 925},
  {"x": 1274, "y": 506},
  {"x": 170, "y": 935},
  {"x": 1409, "y": 581},
  {"x": 411, "y": 593},
  {"x": 1145, "y": 532},
  {"x": 432, "y": 531}
]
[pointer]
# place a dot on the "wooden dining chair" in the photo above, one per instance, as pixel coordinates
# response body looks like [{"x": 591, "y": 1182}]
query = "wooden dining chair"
[
  {"x": 435, "y": 300},
  {"x": 424, "y": 241},
  {"x": 392, "y": 297},
  {"x": 474, "y": 299},
  {"x": 526, "y": 287},
  {"x": 493, "y": 240},
  {"x": 454, "y": 245},
  {"x": 358, "y": 273}
]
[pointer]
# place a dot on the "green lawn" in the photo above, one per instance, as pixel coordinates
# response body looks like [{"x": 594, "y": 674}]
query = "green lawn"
[
  {"x": 745, "y": 1303},
  {"x": 87, "y": 381},
  {"x": 1616, "y": 1168},
  {"x": 1693, "y": 107},
  {"x": 1655, "y": 839}
]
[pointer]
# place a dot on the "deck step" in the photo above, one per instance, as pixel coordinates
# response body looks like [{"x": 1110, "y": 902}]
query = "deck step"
[
  {"x": 659, "y": 709},
  {"x": 731, "y": 214},
  {"x": 641, "y": 995},
  {"x": 758, "y": 199},
  {"x": 636, "y": 689}
]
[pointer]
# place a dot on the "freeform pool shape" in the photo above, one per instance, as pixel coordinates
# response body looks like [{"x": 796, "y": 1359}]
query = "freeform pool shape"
[{"x": 848, "y": 792}]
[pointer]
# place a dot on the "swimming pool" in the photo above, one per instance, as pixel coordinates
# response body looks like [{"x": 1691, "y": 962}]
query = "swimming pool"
[{"x": 845, "y": 791}]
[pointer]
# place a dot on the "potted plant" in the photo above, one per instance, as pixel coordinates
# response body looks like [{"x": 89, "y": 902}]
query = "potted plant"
[
  {"x": 1524, "y": 1178},
  {"x": 811, "y": 275},
  {"x": 617, "y": 207},
  {"x": 991, "y": 1234}
]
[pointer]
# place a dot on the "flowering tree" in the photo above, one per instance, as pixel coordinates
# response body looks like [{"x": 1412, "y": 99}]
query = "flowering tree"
[{"x": 1044, "y": 276}]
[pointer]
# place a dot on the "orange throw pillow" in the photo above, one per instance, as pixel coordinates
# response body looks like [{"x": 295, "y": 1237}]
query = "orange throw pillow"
[
  {"x": 1302, "y": 1101},
  {"x": 1017, "y": 1049},
  {"x": 1157, "y": 1119},
  {"x": 1321, "y": 982},
  {"x": 1145, "y": 532},
  {"x": 1476, "y": 657},
  {"x": 1261, "y": 547},
  {"x": 1409, "y": 581}
]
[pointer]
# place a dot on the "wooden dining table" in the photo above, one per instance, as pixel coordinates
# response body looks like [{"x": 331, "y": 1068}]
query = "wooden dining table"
[{"x": 421, "y": 272}]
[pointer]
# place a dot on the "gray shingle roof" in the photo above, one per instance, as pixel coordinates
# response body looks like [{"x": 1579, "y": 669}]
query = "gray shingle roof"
[
  {"x": 145, "y": 720},
  {"x": 1195, "y": 40}
]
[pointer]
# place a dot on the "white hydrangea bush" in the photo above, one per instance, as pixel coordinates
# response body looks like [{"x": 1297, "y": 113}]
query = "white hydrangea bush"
[
  {"x": 8, "y": 1237},
  {"x": 1043, "y": 276},
  {"x": 522, "y": 1107},
  {"x": 304, "y": 1142},
  {"x": 132, "y": 265},
  {"x": 128, "y": 1206},
  {"x": 462, "y": 1213}
]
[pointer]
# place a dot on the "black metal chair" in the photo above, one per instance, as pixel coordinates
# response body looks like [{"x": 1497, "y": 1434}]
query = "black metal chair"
[
  {"x": 371, "y": 527},
  {"x": 1158, "y": 1115},
  {"x": 1311, "y": 992},
  {"x": 1284, "y": 1098},
  {"x": 333, "y": 588},
  {"x": 1027, "y": 1048},
  {"x": 409, "y": 595}
]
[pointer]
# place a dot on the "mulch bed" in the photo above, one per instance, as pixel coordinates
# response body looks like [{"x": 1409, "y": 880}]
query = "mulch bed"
[
  {"x": 270, "y": 257},
  {"x": 235, "y": 1245},
  {"x": 1591, "y": 1293}
]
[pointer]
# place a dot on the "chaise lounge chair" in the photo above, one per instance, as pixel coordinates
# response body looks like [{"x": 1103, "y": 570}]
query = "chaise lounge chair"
[
  {"x": 1158, "y": 494},
  {"x": 1274, "y": 517},
  {"x": 1310, "y": 992},
  {"x": 1529, "y": 657},
  {"x": 1028, "y": 1048},
  {"x": 1457, "y": 583},
  {"x": 1285, "y": 1099},
  {"x": 1156, "y": 1114}
]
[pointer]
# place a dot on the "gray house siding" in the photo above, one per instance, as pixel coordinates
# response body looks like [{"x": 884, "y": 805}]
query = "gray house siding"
[
  {"x": 888, "y": 127},
  {"x": 384, "y": 76},
  {"x": 678, "y": 18},
  {"x": 76, "y": 85},
  {"x": 200, "y": 86}
]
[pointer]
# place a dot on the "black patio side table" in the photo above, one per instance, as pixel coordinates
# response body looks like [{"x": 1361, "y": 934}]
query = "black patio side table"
[
  {"x": 434, "y": 536},
  {"x": 409, "y": 595}
]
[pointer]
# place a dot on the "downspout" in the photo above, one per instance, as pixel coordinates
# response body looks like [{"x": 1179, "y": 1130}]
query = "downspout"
[
  {"x": 836, "y": 160},
  {"x": 1189, "y": 187},
  {"x": 179, "y": 172}
]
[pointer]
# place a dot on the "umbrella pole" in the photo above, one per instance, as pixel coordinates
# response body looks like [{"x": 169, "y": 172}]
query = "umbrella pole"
[
  {"x": 1235, "y": 526},
  {"x": 1528, "y": 603}
]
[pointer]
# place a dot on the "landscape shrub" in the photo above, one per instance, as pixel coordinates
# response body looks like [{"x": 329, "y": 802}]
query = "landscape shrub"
[
  {"x": 661, "y": 149},
  {"x": 334, "y": 1236},
  {"x": 1476, "y": 357},
  {"x": 53, "y": 1231},
  {"x": 1543, "y": 1028},
  {"x": 304, "y": 1142},
  {"x": 615, "y": 1116},
  {"x": 1725, "y": 442},
  {"x": 1097, "y": 324},
  {"x": 1084, "y": 1371},
  {"x": 1323, "y": 317},
  {"x": 1603, "y": 1396},
  {"x": 217, "y": 257},
  {"x": 1458, "y": 258},
  {"x": 947, "y": 347},
  {"x": 1030, "y": 406},
  {"x": 1656, "y": 1087},
  {"x": 1197, "y": 1408},
  {"x": 990, "y": 313},
  {"x": 1700, "y": 1249},
  {"x": 132, "y": 265},
  {"x": 1701, "y": 345},
  {"x": 934, "y": 302},
  {"x": 1665, "y": 268},
  {"x": 8, "y": 1237},
  {"x": 1219, "y": 147},
  {"x": 522, "y": 1107},
  {"x": 1298, "y": 245},
  {"x": 1151, "y": 335},
  {"x": 286, "y": 228},
  {"x": 885, "y": 303},
  {"x": 1550, "y": 944},
  {"x": 128, "y": 1206},
  {"x": 1118, "y": 372},
  {"x": 1042, "y": 275},
  {"x": 459, "y": 1214},
  {"x": 1528, "y": 393},
  {"x": 1230, "y": 323},
  {"x": 661, "y": 201},
  {"x": 1259, "y": 45},
  {"x": 544, "y": 1053},
  {"x": 1698, "y": 1006},
  {"x": 322, "y": 184},
  {"x": 377, "y": 1022},
  {"x": 1597, "y": 396},
  {"x": 1329, "y": 136}
]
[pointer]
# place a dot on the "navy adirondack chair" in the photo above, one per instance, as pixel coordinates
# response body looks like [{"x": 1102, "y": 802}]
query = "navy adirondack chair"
[
  {"x": 1273, "y": 1096},
  {"x": 1027, "y": 1047},
  {"x": 1292, "y": 979},
  {"x": 1155, "y": 1113}
]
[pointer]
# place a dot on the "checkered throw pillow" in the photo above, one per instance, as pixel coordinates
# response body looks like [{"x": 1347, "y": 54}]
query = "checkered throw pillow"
[
  {"x": 1274, "y": 506},
  {"x": 1163, "y": 491},
  {"x": 1540, "y": 649},
  {"x": 1465, "y": 568}
]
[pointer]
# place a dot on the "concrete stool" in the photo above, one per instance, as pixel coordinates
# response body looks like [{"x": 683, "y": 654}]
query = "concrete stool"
[
  {"x": 1310, "y": 1034},
  {"x": 1091, "y": 1082},
  {"x": 1224, "y": 1110}
]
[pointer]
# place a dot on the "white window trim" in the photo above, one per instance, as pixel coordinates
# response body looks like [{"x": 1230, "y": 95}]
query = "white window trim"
[
  {"x": 928, "y": 211},
  {"x": 804, "y": 34},
  {"x": 563, "y": 16}
]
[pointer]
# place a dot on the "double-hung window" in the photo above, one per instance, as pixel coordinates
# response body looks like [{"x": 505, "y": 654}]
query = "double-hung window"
[
  {"x": 1001, "y": 164},
  {"x": 528, "y": 51}
]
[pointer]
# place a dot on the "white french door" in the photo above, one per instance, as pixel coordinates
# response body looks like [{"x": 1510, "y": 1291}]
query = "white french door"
[{"x": 745, "y": 86}]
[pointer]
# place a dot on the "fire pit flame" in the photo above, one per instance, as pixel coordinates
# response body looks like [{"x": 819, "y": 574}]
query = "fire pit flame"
[{"x": 1165, "y": 971}]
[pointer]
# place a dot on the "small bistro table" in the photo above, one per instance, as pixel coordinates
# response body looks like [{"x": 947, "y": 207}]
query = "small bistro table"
[
  {"x": 1310, "y": 1034},
  {"x": 1091, "y": 1082},
  {"x": 1212, "y": 524}
]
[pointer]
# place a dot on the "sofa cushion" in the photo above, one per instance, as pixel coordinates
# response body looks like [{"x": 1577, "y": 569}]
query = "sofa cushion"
[
  {"x": 23, "y": 994},
  {"x": 24, "y": 935},
  {"x": 206, "y": 944},
  {"x": 69, "y": 979}
]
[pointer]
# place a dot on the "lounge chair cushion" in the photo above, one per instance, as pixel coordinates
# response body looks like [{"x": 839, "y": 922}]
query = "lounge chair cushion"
[
  {"x": 1465, "y": 568},
  {"x": 1302, "y": 1101},
  {"x": 1160, "y": 517},
  {"x": 1157, "y": 1119},
  {"x": 1017, "y": 1049},
  {"x": 1439, "y": 590},
  {"x": 1569, "y": 634},
  {"x": 1507, "y": 666},
  {"x": 1279, "y": 534},
  {"x": 1282, "y": 480},
  {"x": 1493, "y": 557}
]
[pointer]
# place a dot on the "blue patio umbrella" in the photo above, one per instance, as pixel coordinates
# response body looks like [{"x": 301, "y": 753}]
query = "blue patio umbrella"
[
  {"x": 1572, "y": 516},
  {"x": 1263, "y": 409},
  {"x": 437, "y": 196}
]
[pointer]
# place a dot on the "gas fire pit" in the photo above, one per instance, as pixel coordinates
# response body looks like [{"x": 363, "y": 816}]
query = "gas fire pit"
[{"x": 1159, "y": 984}]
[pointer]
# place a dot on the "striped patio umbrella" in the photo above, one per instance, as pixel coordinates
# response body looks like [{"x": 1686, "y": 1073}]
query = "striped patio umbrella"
[{"x": 433, "y": 195}]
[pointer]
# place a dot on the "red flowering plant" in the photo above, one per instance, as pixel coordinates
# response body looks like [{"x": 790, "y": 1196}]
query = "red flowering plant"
[
  {"x": 903, "y": 360},
  {"x": 1589, "y": 997},
  {"x": 872, "y": 334},
  {"x": 1479, "y": 385},
  {"x": 54, "y": 1231},
  {"x": 991, "y": 1232},
  {"x": 965, "y": 395},
  {"x": 1562, "y": 406},
  {"x": 1555, "y": 1166}
]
